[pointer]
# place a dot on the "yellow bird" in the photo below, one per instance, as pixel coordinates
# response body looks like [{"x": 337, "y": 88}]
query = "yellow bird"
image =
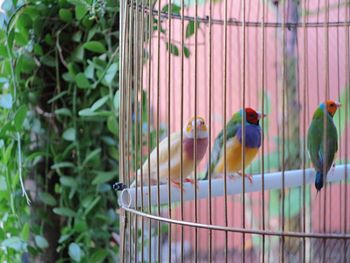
[
  {"x": 234, "y": 143},
  {"x": 188, "y": 144}
]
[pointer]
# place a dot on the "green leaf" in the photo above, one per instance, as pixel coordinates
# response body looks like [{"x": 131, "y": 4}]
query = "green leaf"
[
  {"x": 38, "y": 50},
  {"x": 21, "y": 39},
  {"x": 92, "y": 155},
  {"x": 72, "y": 69},
  {"x": 111, "y": 72},
  {"x": 78, "y": 54},
  {"x": 69, "y": 134},
  {"x": 25, "y": 233},
  {"x": 20, "y": 116},
  {"x": 63, "y": 112},
  {"x": 3, "y": 50},
  {"x": 15, "y": 243},
  {"x": 48, "y": 61},
  {"x": 80, "y": 226},
  {"x": 99, "y": 256},
  {"x": 47, "y": 198},
  {"x": 187, "y": 52},
  {"x": 77, "y": 36},
  {"x": 95, "y": 46},
  {"x": 74, "y": 252},
  {"x": 92, "y": 205},
  {"x": 58, "y": 96},
  {"x": 62, "y": 165},
  {"x": 89, "y": 113},
  {"x": 173, "y": 49},
  {"x": 64, "y": 211},
  {"x": 24, "y": 22},
  {"x": 3, "y": 185},
  {"x": 103, "y": 177},
  {"x": 112, "y": 125},
  {"x": 87, "y": 200},
  {"x": 68, "y": 181},
  {"x": 80, "y": 11},
  {"x": 89, "y": 72},
  {"x": 6, "y": 5},
  {"x": 65, "y": 15},
  {"x": 41, "y": 242},
  {"x": 82, "y": 81},
  {"x": 99, "y": 103},
  {"x": 175, "y": 9},
  {"x": 6, "y": 101},
  {"x": 7, "y": 155},
  {"x": 64, "y": 238},
  {"x": 190, "y": 28}
]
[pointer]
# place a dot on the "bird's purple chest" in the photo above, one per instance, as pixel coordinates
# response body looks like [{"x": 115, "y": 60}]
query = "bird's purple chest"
[
  {"x": 201, "y": 148},
  {"x": 252, "y": 136}
]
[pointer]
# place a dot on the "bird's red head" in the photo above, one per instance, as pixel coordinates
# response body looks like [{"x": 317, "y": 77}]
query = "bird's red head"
[
  {"x": 253, "y": 116},
  {"x": 332, "y": 106}
]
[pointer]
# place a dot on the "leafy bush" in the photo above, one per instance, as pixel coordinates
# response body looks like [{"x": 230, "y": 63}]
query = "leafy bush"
[{"x": 59, "y": 121}]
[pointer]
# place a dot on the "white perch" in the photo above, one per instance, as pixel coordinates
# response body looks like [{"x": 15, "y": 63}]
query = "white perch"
[{"x": 293, "y": 178}]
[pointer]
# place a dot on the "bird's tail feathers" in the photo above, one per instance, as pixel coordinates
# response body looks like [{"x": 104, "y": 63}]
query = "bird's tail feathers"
[
  {"x": 319, "y": 181},
  {"x": 206, "y": 174}
]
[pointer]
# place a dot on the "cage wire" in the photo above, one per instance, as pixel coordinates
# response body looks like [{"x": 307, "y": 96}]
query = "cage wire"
[{"x": 188, "y": 58}]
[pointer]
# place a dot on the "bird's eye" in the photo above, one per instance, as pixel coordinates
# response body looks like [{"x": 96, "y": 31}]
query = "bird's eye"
[{"x": 332, "y": 105}]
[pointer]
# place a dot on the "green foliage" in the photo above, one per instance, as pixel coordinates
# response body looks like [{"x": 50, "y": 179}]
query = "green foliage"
[
  {"x": 59, "y": 107},
  {"x": 172, "y": 48},
  {"x": 190, "y": 30}
]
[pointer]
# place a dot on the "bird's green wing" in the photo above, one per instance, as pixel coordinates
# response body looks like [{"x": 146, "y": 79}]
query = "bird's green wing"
[
  {"x": 332, "y": 143},
  {"x": 314, "y": 140},
  {"x": 231, "y": 130}
]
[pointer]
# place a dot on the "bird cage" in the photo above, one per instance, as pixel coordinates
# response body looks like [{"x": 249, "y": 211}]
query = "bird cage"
[{"x": 198, "y": 62}]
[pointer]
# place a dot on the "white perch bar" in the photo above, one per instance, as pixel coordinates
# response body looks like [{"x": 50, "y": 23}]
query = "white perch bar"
[{"x": 293, "y": 178}]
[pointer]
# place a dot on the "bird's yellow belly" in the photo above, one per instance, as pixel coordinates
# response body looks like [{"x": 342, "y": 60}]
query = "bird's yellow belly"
[
  {"x": 175, "y": 170},
  {"x": 187, "y": 169},
  {"x": 234, "y": 160}
]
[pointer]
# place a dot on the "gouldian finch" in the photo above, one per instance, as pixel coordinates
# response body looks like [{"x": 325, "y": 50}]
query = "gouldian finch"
[
  {"x": 234, "y": 143},
  {"x": 316, "y": 145},
  {"x": 188, "y": 144}
]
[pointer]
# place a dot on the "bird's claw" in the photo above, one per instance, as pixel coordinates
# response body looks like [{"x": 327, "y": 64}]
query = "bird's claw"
[
  {"x": 249, "y": 176},
  {"x": 177, "y": 185},
  {"x": 192, "y": 181}
]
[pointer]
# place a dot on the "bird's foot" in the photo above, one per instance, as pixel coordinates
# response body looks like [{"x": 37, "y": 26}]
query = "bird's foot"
[
  {"x": 177, "y": 185},
  {"x": 192, "y": 181},
  {"x": 249, "y": 176}
]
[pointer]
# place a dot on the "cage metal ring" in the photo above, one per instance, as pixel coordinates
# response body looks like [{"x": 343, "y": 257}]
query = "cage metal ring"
[{"x": 239, "y": 230}]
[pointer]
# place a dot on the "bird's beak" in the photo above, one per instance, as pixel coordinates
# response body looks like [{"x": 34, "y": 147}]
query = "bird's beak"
[
  {"x": 337, "y": 103},
  {"x": 203, "y": 127},
  {"x": 260, "y": 115}
]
